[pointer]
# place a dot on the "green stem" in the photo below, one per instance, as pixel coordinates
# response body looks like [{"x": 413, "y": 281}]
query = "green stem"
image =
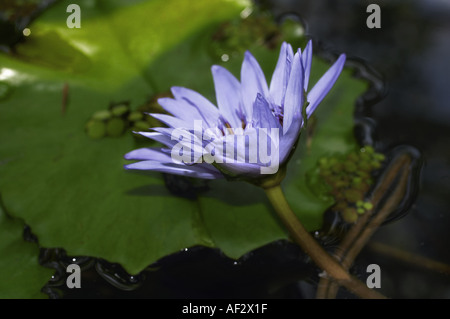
[{"x": 324, "y": 260}]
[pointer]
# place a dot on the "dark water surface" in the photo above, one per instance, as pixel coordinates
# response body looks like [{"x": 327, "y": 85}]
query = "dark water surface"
[{"x": 410, "y": 52}]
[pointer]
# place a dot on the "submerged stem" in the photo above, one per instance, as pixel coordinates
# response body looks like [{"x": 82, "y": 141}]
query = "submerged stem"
[{"x": 324, "y": 260}]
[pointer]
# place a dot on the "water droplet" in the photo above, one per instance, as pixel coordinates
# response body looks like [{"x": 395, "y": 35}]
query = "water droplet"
[
  {"x": 225, "y": 57},
  {"x": 26, "y": 32},
  {"x": 117, "y": 276}
]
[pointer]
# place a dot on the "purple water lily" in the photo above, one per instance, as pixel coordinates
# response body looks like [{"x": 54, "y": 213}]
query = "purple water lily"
[{"x": 270, "y": 116}]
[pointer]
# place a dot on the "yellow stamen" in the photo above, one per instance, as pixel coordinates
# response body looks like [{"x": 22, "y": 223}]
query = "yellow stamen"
[{"x": 230, "y": 130}]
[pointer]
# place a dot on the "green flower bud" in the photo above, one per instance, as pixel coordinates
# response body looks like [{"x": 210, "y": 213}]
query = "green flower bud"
[
  {"x": 352, "y": 157},
  {"x": 340, "y": 206},
  {"x": 368, "y": 205},
  {"x": 364, "y": 175},
  {"x": 368, "y": 149},
  {"x": 120, "y": 110},
  {"x": 349, "y": 215},
  {"x": 95, "y": 129},
  {"x": 353, "y": 195},
  {"x": 337, "y": 168},
  {"x": 102, "y": 115},
  {"x": 379, "y": 157},
  {"x": 356, "y": 181},
  {"x": 340, "y": 184},
  {"x": 375, "y": 164},
  {"x": 135, "y": 116},
  {"x": 140, "y": 126},
  {"x": 350, "y": 166},
  {"x": 326, "y": 173},
  {"x": 333, "y": 161},
  {"x": 115, "y": 127},
  {"x": 323, "y": 162},
  {"x": 364, "y": 162}
]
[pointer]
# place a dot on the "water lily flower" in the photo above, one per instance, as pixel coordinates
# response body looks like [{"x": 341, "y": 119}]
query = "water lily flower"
[{"x": 268, "y": 117}]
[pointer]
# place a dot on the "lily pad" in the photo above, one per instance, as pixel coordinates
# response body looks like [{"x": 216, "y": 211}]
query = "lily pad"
[
  {"x": 72, "y": 190},
  {"x": 22, "y": 276}
]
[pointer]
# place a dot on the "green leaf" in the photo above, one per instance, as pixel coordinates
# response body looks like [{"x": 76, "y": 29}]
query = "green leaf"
[
  {"x": 22, "y": 276},
  {"x": 72, "y": 189}
]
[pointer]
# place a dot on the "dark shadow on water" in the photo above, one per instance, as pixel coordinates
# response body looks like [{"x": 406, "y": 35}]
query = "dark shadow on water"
[
  {"x": 148, "y": 190},
  {"x": 234, "y": 193}
]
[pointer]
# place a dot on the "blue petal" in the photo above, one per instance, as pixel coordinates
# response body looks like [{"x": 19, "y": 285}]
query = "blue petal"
[
  {"x": 161, "y": 138},
  {"x": 227, "y": 94},
  {"x": 306, "y": 61},
  {"x": 253, "y": 82},
  {"x": 262, "y": 114},
  {"x": 180, "y": 109},
  {"x": 208, "y": 110},
  {"x": 287, "y": 142},
  {"x": 247, "y": 169},
  {"x": 324, "y": 85},
  {"x": 167, "y": 131},
  {"x": 197, "y": 171},
  {"x": 144, "y": 154},
  {"x": 280, "y": 77},
  {"x": 294, "y": 99},
  {"x": 173, "y": 121},
  {"x": 168, "y": 136}
]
